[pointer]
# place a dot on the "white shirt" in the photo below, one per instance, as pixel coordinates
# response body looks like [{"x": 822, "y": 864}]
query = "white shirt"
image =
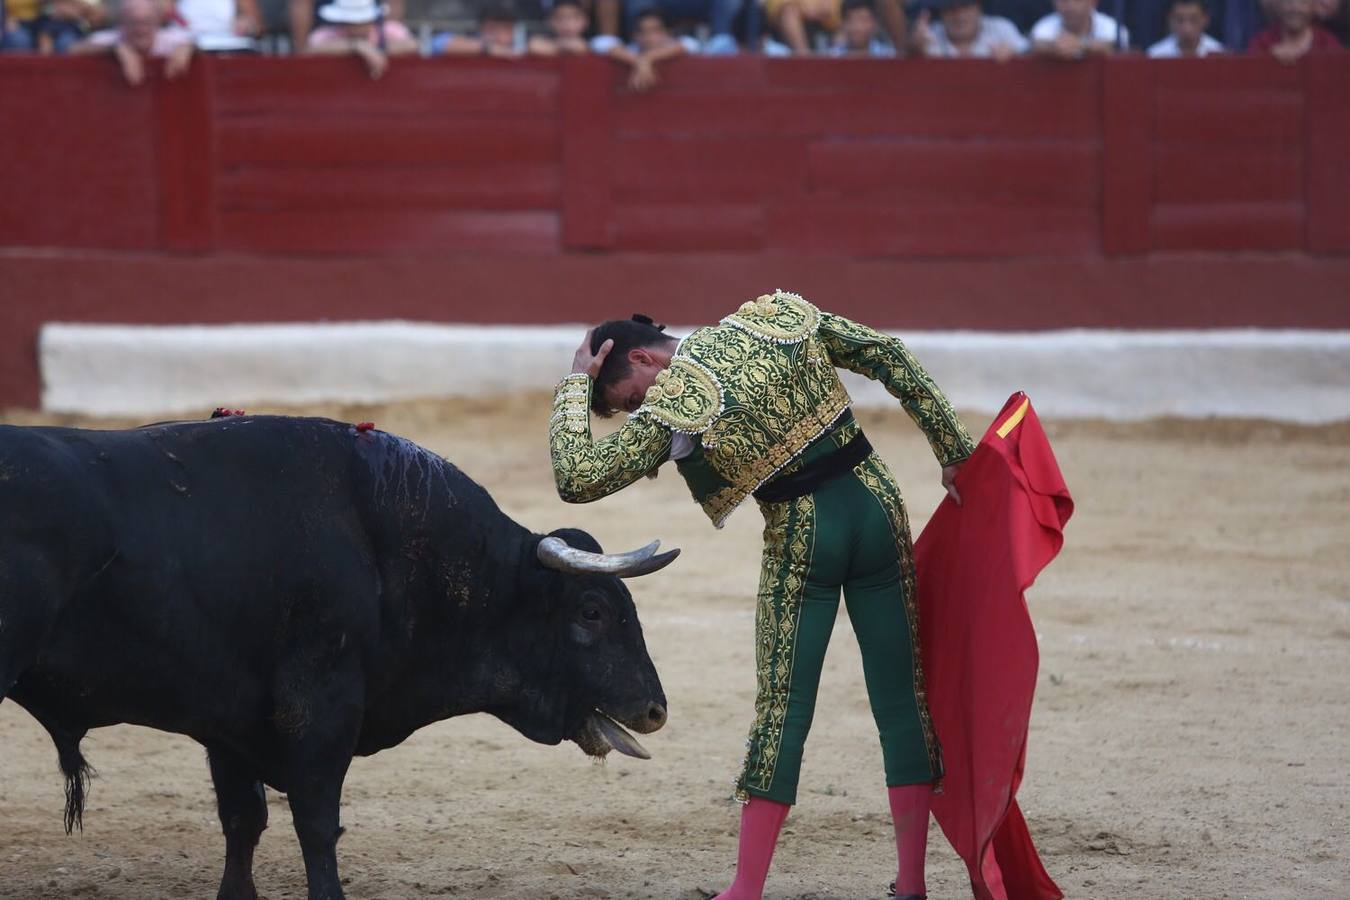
[
  {"x": 603, "y": 43},
  {"x": 167, "y": 39},
  {"x": 1167, "y": 48},
  {"x": 877, "y": 47},
  {"x": 208, "y": 17},
  {"x": 994, "y": 30},
  {"x": 681, "y": 445},
  {"x": 1103, "y": 29}
]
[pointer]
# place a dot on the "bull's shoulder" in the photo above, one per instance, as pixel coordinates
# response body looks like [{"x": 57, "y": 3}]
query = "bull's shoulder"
[{"x": 39, "y": 450}]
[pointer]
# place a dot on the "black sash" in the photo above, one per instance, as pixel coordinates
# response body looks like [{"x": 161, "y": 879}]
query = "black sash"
[{"x": 815, "y": 473}]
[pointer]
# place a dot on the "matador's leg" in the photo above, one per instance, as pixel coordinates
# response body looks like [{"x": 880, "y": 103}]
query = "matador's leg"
[
  {"x": 797, "y": 605},
  {"x": 880, "y": 598}
]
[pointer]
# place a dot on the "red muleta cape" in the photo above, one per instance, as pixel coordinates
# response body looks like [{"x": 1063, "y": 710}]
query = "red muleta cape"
[{"x": 979, "y": 647}]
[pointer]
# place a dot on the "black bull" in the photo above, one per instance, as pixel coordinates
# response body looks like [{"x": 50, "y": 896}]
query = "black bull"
[{"x": 291, "y": 593}]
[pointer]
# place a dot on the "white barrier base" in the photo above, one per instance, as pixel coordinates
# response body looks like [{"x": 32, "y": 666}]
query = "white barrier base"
[{"x": 1296, "y": 376}]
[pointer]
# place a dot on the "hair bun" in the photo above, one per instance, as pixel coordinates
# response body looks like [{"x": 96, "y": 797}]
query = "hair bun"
[{"x": 647, "y": 320}]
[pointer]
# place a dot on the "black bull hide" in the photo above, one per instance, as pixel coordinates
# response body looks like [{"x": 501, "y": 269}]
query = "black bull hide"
[{"x": 291, "y": 593}]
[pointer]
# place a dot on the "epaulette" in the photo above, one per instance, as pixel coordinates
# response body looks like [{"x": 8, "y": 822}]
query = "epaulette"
[{"x": 781, "y": 317}]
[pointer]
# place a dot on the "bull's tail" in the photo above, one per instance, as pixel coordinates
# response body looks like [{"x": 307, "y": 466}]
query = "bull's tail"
[{"x": 78, "y": 774}]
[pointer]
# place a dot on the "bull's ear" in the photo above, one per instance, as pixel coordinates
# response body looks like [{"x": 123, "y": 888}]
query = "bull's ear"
[{"x": 575, "y": 537}]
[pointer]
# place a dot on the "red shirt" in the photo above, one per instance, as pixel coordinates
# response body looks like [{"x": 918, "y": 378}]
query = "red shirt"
[{"x": 1264, "y": 40}]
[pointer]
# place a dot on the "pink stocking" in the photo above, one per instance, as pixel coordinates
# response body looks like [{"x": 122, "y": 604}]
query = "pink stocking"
[
  {"x": 909, "y": 810},
  {"x": 761, "y": 820}
]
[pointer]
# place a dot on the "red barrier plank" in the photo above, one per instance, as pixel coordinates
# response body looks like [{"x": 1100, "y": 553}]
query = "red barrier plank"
[
  {"x": 1210, "y": 173},
  {"x": 1127, "y": 144},
  {"x": 712, "y": 169},
  {"x": 486, "y": 186},
  {"x": 848, "y": 226},
  {"x": 913, "y": 109},
  {"x": 964, "y": 82},
  {"x": 676, "y": 227},
  {"x": 587, "y": 152},
  {"x": 1040, "y": 173},
  {"x": 1327, "y": 186},
  {"x": 77, "y": 147},
  {"x": 388, "y": 231},
  {"x": 1260, "y": 116},
  {"x": 186, "y": 157},
  {"x": 383, "y": 142},
  {"x": 1228, "y": 226},
  {"x": 692, "y": 73},
  {"x": 442, "y": 86},
  {"x": 1226, "y": 75}
]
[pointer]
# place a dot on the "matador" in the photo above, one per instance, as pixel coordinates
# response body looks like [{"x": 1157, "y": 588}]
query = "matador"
[{"x": 754, "y": 407}]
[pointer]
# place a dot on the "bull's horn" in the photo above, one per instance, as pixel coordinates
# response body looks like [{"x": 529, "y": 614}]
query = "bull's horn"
[{"x": 556, "y": 554}]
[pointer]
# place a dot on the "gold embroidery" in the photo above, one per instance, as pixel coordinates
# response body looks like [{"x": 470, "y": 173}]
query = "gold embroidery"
[
  {"x": 585, "y": 469},
  {"x": 687, "y": 396},
  {"x": 571, "y": 404},
  {"x": 783, "y": 317},
  {"x": 779, "y": 398},
  {"x": 671, "y": 387},
  {"x": 789, "y": 530},
  {"x": 886, "y": 359},
  {"x": 749, "y": 460}
]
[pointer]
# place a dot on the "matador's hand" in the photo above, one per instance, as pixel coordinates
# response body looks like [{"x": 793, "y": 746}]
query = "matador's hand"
[
  {"x": 585, "y": 362},
  {"x": 949, "y": 481}
]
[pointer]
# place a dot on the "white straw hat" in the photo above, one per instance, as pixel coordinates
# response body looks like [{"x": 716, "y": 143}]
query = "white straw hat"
[{"x": 352, "y": 12}]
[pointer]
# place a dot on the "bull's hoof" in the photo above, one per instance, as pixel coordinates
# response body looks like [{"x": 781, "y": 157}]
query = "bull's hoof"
[{"x": 237, "y": 891}]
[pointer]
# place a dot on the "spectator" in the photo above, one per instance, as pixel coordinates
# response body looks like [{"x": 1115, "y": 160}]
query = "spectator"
[
  {"x": 1076, "y": 29},
  {"x": 1293, "y": 35},
  {"x": 794, "y": 20},
  {"x": 497, "y": 36},
  {"x": 1024, "y": 14},
  {"x": 55, "y": 27},
  {"x": 965, "y": 31},
  {"x": 302, "y": 15},
  {"x": 719, "y": 15},
  {"x": 222, "y": 24},
  {"x": 652, "y": 43},
  {"x": 140, "y": 35},
  {"x": 359, "y": 27},
  {"x": 567, "y": 24},
  {"x": 608, "y": 14},
  {"x": 1334, "y": 16},
  {"x": 858, "y": 32},
  {"x": 1187, "y": 21}
]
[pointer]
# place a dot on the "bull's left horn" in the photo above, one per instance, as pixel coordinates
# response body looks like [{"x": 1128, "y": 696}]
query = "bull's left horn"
[{"x": 555, "y": 553}]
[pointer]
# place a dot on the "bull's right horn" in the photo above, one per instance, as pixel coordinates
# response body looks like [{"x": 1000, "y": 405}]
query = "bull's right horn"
[{"x": 555, "y": 553}]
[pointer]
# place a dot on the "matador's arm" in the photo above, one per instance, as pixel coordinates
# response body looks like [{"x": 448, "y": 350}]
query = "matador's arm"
[
  {"x": 885, "y": 359},
  {"x": 586, "y": 469}
]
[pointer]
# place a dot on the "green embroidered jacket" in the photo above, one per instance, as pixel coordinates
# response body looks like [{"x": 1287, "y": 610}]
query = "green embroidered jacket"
[{"x": 752, "y": 392}]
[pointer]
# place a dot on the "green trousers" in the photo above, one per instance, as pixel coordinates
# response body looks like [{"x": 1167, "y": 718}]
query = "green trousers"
[{"x": 852, "y": 535}]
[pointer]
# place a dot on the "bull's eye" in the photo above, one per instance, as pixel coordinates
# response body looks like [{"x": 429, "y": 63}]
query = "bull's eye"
[{"x": 591, "y": 613}]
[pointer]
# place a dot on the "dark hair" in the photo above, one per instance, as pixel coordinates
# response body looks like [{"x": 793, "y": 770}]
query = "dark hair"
[
  {"x": 559, "y": 4},
  {"x": 1173, "y": 4},
  {"x": 499, "y": 12},
  {"x": 850, "y": 5},
  {"x": 627, "y": 334},
  {"x": 652, "y": 13}
]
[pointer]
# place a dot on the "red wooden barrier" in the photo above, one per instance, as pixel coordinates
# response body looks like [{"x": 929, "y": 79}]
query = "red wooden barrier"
[{"x": 855, "y": 158}]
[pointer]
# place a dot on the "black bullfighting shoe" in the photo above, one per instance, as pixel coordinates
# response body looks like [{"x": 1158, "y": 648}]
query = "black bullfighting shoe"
[{"x": 890, "y": 892}]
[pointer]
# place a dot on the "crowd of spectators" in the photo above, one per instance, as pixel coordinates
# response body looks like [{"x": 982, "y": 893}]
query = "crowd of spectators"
[{"x": 640, "y": 34}]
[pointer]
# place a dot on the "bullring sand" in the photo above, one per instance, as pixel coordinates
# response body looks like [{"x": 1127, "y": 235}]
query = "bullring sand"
[{"x": 1190, "y": 739}]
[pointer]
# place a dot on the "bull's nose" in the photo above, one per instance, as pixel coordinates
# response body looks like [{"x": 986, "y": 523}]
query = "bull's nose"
[{"x": 656, "y": 715}]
